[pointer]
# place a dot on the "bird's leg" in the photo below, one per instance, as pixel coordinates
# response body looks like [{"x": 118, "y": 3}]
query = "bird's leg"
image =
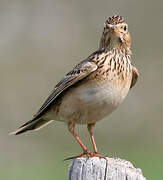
[
  {"x": 90, "y": 126},
  {"x": 71, "y": 127}
]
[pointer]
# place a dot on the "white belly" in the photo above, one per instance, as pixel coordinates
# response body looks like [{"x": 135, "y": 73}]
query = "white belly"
[{"x": 88, "y": 103}]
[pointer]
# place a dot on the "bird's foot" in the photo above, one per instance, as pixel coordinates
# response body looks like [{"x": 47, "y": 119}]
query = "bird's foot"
[
  {"x": 87, "y": 153},
  {"x": 94, "y": 154}
]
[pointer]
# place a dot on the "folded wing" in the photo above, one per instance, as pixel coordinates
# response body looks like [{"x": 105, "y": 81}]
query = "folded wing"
[
  {"x": 81, "y": 71},
  {"x": 135, "y": 75}
]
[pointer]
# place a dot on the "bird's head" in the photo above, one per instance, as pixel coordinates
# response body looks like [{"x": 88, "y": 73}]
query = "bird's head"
[{"x": 115, "y": 34}]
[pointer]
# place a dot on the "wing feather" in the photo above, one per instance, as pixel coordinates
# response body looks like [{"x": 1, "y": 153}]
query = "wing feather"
[
  {"x": 81, "y": 71},
  {"x": 135, "y": 75}
]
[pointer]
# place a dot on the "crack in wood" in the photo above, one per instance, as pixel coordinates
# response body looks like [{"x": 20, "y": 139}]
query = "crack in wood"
[{"x": 100, "y": 169}]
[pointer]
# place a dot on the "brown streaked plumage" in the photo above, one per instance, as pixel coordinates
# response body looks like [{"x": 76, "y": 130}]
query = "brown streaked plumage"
[
  {"x": 115, "y": 20},
  {"x": 94, "y": 88}
]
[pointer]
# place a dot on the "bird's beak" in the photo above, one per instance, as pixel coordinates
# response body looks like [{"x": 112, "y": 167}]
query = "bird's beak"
[{"x": 114, "y": 30}]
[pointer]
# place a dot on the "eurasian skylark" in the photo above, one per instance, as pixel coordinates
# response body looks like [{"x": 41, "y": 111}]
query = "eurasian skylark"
[{"x": 94, "y": 88}]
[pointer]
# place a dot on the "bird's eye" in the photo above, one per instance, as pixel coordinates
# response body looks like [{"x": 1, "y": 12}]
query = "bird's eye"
[{"x": 125, "y": 28}]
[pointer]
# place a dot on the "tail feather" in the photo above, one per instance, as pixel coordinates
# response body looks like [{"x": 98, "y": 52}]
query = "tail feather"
[{"x": 32, "y": 125}]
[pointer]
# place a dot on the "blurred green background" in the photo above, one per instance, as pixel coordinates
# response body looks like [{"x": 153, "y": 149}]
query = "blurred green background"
[{"x": 40, "y": 41}]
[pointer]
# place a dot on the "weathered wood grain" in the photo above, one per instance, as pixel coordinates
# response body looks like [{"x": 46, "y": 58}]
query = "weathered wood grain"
[{"x": 103, "y": 169}]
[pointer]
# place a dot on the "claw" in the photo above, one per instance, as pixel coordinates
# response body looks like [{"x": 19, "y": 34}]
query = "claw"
[
  {"x": 74, "y": 157},
  {"x": 87, "y": 153},
  {"x": 79, "y": 156}
]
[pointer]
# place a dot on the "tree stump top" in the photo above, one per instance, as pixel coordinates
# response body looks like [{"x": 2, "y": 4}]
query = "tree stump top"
[{"x": 103, "y": 169}]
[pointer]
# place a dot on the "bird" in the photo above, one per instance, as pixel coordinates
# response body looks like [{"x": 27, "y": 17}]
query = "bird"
[{"x": 94, "y": 88}]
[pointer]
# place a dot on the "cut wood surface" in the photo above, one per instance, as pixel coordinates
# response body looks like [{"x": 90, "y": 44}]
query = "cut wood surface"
[{"x": 103, "y": 169}]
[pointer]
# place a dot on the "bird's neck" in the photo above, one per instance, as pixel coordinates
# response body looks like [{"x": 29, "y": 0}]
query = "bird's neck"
[
  {"x": 119, "y": 48},
  {"x": 109, "y": 44}
]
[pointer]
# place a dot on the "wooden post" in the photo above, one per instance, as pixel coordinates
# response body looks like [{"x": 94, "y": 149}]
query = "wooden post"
[{"x": 103, "y": 169}]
